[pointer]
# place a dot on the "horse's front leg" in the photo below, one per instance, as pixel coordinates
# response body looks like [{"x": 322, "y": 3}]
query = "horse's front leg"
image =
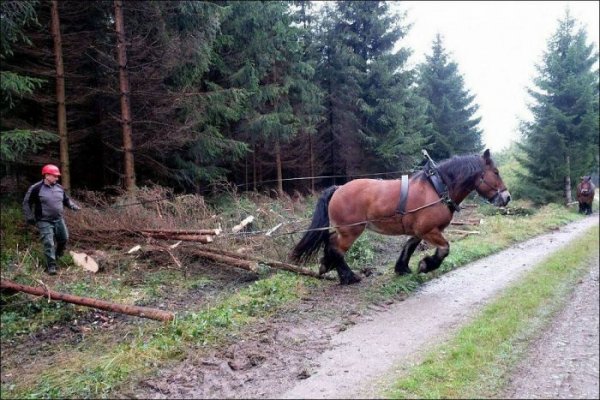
[
  {"x": 401, "y": 267},
  {"x": 433, "y": 262}
]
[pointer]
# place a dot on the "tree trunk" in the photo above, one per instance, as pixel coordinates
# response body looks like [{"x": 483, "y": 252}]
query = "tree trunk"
[
  {"x": 60, "y": 98},
  {"x": 568, "y": 196},
  {"x": 278, "y": 167},
  {"x": 129, "y": 172},
  {"x": 254, "y": 172},
  {"x": 144, "y": 312},
  {"x": 312, "y": 162}
]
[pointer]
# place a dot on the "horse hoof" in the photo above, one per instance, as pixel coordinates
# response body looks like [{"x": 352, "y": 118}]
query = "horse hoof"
[
  {"x": 350, "y": 280},
  {"x": 423, "y": 267}
]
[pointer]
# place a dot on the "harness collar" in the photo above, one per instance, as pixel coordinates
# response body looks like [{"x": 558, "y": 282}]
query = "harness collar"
[{"x": 438, "y": 184}]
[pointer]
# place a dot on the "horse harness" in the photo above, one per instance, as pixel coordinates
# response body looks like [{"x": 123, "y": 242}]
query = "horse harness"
[{"x": 430, "y": 170}]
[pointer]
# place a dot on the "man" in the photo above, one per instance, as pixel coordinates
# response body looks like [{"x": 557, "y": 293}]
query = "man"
[{"x": 43, "y": 207}]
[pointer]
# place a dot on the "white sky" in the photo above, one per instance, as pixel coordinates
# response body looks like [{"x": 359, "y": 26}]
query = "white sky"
[{"x": 496, "y": 45}]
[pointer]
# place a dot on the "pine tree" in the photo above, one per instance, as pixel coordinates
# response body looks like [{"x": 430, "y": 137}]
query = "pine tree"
[
  {"x": 374, "y": 116},
  {"x": 561, "y": 143},
  {"x": 18, "y": 139},
  {"x": 451, "y": 109},
  {"x": 260, "y": 54}
]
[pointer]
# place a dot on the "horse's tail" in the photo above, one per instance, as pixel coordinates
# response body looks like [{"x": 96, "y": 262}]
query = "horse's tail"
[{"x": 316, "y": 236}]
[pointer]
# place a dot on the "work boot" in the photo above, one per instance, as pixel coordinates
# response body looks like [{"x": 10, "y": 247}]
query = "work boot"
[
  {"x": 51, "y": 270},
  {"x": 60, "y": 250}
]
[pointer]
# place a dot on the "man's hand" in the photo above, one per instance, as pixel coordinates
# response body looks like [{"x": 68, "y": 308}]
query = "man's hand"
[{"x": 75, "y": 207}]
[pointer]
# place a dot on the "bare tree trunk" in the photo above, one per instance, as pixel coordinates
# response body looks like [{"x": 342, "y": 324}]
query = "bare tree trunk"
[
  {"x": 129, "y": 172},
  {"x": 278, "y": 167},
  {"x": 60, "y": 98},
  {"x": 312, "y": 162},
  {"x": 568, "y": 196},
  {"x": 254, "y": 172},
  {"x": 144, "y": 312}
]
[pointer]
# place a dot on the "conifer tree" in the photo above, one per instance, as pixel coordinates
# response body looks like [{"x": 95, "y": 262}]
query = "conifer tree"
[
  {"x": 19, "y": 138},
  {"x": 451, "y": 109},
  {"x": 561, "y": 142},
  {"x": 374, "y": 116}
]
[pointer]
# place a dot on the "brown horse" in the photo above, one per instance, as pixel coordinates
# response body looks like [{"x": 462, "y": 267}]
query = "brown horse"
[
  {"x": 585, "y": 194},
  {"x": 422, "y": 209}
]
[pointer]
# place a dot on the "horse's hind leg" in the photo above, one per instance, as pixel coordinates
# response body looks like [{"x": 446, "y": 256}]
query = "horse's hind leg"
[
  {"x": 334, "y": 256},
  {"x": 433, "y": 262},
  {"x": 401, "y": 267}
]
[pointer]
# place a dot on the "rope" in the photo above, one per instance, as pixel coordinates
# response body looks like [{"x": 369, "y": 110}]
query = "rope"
[{"x": 332, "y": 227}]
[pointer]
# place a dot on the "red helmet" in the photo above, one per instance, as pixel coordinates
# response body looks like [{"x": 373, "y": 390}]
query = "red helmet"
[{"x": 51, "y": 170}]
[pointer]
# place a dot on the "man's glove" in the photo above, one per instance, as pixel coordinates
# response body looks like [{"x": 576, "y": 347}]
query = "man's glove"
[{"x": 31, "y": 221}]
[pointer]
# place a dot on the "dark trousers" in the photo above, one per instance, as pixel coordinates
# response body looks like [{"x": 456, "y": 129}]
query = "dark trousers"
[{"x": 51, "y": 232}]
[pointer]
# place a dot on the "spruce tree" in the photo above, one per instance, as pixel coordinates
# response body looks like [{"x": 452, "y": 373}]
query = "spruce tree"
[
  {"x": 561, "y": 142},
  {"x": 451, "y": 109},
  {"x": 374, "y": 114},
  {"x": 19, "y": 139}
]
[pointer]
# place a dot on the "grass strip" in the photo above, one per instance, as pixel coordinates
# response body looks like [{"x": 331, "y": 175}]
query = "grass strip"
[{"x": 475, "y": 363}]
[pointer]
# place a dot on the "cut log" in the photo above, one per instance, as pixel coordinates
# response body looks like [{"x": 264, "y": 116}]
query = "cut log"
[
  {"x": 464, "y": 223},
  {"x": 272, "y": 264},
  {"x": 188, "y": 238},
  {"x": 211, "y": 232},
  {"x": 84, "y": 261},
  {"x": 236, "y": 262},
  {"x": 242, "y": 224},
  {"x": 137, "y": 311}
]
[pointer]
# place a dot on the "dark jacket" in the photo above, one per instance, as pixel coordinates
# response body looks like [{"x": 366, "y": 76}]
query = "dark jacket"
[{"x": 43, "y": 202}]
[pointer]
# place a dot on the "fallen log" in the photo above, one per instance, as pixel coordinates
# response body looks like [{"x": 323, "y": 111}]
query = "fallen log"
[
  {"x": 236, "y": 262},
  {"x": 464, "y": 223},
  {"x": 137, "y": 311},
  {"x": 188, "y": 238},
  {"x": 272, "y": 264},
  {"x": 211, "y": 232}
]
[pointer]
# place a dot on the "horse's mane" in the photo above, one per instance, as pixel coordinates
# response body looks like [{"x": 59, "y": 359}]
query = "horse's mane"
[{"x": 458, "y": 171}]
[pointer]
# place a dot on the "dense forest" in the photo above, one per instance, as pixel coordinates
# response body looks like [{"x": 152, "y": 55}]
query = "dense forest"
[{"x": 281, "y": 95}]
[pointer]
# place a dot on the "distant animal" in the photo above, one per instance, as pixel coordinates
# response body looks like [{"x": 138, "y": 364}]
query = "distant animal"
[
  {"x": 585, "y": 194},
  {"x": 420, "y": 207}
]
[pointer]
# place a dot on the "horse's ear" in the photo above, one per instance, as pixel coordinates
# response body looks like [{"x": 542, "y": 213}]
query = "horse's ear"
[{"x": 486, "y": 156}]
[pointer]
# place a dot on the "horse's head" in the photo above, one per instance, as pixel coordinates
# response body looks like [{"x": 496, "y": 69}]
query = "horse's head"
[
  {"x": 490, "y": 184},
  {"x": 586, "y": 187}
]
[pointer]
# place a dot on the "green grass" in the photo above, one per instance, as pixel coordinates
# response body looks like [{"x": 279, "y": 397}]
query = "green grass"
[
  {"x": 475, "y": 362},
  {"x": 95, "y": 371}
]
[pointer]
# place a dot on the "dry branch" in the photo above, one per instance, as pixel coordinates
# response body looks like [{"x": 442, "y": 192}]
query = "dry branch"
[
  {"x": 242, "y": 224},
  {"x": 137, "y": 311},
  {"x": 465, "y": 232}
]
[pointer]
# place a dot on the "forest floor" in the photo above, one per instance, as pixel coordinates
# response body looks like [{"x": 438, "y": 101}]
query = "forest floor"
[
  {"x": 326, "y": 348},
  {"x": 335, "y": 342}
]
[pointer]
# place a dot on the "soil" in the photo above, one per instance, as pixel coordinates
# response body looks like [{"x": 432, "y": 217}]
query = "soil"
[{"x": 333, "y": 346}]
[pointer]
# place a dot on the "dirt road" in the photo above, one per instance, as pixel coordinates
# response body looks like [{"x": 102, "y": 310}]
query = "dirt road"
[
  {"x": 367, "y": 351},
  {"x": 346, "y": 354}
]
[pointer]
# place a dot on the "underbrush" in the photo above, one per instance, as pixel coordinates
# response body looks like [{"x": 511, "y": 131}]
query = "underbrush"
[{"x": 220, "y": 302}]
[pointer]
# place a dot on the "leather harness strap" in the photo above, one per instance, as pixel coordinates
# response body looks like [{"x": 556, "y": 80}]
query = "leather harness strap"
[
  {"x": 440, "y": 187},
  {"x": 401, "y": 209}
]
